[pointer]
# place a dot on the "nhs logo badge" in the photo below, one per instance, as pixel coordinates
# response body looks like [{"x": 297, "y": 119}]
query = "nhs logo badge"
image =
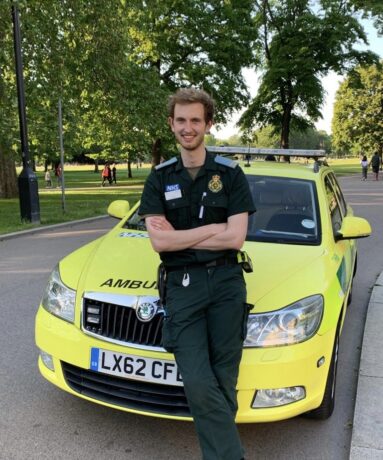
[{"x": 172, "y": 192}]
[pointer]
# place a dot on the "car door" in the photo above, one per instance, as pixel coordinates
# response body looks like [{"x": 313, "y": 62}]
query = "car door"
[
  {"x": 344, "y": 250},
  {"x": 346, "y": 210}
]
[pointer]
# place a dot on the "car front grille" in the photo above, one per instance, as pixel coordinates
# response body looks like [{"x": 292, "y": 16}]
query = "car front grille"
[
  {"x": 130, "y": 394},
  {"x": 120, "y": 323}
]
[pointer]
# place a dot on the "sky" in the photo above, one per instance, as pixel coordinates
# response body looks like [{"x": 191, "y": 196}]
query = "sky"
[{"x": 330, "y": 84}]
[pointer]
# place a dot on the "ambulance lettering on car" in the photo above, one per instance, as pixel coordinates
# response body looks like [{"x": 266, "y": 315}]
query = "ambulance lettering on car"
[
  {"x": 302, "y": 244},
  {"x": 132, "y": 284}
]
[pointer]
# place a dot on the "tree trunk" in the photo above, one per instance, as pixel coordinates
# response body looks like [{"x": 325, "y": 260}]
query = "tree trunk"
[
  {"x": 285, "y": 133},
  {"x": 130, "y": 169},
  {"x": 8, "y": 178},
  {"x": 156, "y": 152},
  {"x": 96, "y": 165}
]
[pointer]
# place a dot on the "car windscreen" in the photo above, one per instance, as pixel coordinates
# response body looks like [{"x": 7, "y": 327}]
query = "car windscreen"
[{"x": 287, "y": 211}]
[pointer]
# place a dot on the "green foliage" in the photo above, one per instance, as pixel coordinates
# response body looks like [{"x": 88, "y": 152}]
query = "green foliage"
[
  {"x": 200, "y": 43},
  {"x": 113, "y": 65},
  {"x": 299, "y": 45},
  {"x": 266, "y": 138},
  {"x": 358, "y": 113},
  {"x": 210, "y": 139},
  {"x": 235, "y": 140},
  {"x": 372, "y": 8},
  {"x": 109, "y": 102},
  {"x": 309, "y": 139},
  {"x": 8, "y": 96}
]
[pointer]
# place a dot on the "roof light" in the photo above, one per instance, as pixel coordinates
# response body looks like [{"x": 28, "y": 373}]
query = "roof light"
[{"x": 264, "y": 152}]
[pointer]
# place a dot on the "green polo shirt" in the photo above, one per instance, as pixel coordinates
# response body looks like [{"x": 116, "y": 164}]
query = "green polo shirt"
[{"x": 220, "y": 190}]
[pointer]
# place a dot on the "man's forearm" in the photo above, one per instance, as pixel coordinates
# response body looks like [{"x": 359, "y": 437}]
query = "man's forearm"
[
  {"x": 232, "y": 237},
  {"x": 177, "y": 240},
  {"x": 215, "y": 244},
  {"x": 221, "y": 241}
]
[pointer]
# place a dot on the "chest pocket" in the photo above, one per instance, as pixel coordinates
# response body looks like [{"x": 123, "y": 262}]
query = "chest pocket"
[
  {"x": 216, "y": 208},
  {"x": 178, "y": 212}
]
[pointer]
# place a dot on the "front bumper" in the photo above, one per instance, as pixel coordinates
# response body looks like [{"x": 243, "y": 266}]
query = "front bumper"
[{"x": 271, "y": 368}]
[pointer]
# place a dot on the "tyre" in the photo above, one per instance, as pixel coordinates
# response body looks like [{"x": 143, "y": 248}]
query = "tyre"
[{"x": 326, "y": 408}]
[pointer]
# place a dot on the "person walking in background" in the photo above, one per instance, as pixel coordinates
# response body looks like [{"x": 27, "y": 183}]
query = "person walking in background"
[
  {"x": 198, "y": 242},
  {"x": 48, "y": 180},
  {"x": 106, "y": 174},
  {"x": 58, "y": 174},
  {"x": 114, "y": 171},
  {"x": 364, "y": 163},
  {"x": 375, "y": 164}
]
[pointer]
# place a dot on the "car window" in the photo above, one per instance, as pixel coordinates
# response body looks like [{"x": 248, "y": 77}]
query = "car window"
[
  {"x": 333, "y": 206},
  {"x": 287, "y": 211},
  {"x": 339, "y": 194}
]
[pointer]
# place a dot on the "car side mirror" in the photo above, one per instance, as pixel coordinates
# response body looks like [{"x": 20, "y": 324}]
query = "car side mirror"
[
  {"x": 118, "y": 209},
  {"x": 353, "y": 227}
]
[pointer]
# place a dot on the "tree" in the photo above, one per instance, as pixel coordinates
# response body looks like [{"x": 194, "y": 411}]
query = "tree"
[
  {"x": 357, "y": 124},
  {"x": 75, "y": 50},
  {"x": 235, "y": 140},
  {"x": 113, "y": 64},
  {"x": 266, "y": 137},
  {"x": 300, "y": 44},
  {"x": 200, "y": 43},
  {"x": 8, "y": 106},
  {"x": 310, "y": 139},
  {"x": 210, "y": 139},
  {"x": 372, "y": 8}
]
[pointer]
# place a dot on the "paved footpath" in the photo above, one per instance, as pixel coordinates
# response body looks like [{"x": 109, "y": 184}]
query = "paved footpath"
[{"x": 367, "y": 433}]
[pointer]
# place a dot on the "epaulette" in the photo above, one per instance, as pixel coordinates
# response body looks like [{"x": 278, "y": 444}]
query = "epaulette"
[
  {"x": 225, "y": 161},
  {"x": 166, "y": 163}
]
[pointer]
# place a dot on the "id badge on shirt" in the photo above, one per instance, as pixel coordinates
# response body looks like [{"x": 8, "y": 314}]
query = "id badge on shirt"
[{"x": 172, "y": 192}]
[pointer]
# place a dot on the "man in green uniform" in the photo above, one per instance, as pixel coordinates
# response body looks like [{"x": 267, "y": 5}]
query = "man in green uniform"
[{"x": 196, "y": 210}]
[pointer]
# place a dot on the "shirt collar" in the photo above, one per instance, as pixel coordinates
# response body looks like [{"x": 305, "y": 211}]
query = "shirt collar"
[
  {"x": 209, "y": 161},
  {"x": 209, "y": 164}
]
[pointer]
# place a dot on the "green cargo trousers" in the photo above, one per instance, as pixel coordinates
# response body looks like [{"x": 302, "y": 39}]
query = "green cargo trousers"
[{"x": 205, "y": 324}]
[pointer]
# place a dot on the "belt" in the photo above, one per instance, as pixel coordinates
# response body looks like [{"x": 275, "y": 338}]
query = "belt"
[{"x": 224, "y": 260}]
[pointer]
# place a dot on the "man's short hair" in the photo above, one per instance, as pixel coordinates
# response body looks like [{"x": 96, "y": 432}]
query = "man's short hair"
[{"x": 185, "y": 96}]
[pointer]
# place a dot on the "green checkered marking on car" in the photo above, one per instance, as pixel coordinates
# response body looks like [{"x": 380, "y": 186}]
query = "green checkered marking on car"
[{"x": 341, "y": 275}]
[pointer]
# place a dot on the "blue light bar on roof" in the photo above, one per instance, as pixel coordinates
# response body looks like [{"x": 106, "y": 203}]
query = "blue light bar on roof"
[{"x": 278, "y": 152}]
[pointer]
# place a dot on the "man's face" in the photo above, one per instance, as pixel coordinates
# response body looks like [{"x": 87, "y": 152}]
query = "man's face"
[{"x": 189, "y": 126}]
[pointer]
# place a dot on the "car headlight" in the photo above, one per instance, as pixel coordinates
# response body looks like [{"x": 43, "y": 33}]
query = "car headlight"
[
  {"x": 58, "y": 299},
  {"x": 293, "y": 324}
]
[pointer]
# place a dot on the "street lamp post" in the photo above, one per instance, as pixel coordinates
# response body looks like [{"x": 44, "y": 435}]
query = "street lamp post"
[{"x": 27, "y": 180}]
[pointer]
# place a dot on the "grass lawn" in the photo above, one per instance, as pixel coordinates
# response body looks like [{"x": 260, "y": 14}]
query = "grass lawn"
[
  {"x": 341, "y": 167},
  {"x": 84, "y": 196},
  {"x": 346, "y": 167}
]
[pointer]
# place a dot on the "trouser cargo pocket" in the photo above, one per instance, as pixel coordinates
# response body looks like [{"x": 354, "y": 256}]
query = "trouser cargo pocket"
[{"x": 168, "y": 334}]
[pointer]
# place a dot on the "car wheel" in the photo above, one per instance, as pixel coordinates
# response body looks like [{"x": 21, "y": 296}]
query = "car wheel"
[{"x": 326, "y": 408}]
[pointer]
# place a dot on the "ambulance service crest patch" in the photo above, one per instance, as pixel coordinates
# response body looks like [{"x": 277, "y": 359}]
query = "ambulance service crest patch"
[{"x": 215, "y": 184}]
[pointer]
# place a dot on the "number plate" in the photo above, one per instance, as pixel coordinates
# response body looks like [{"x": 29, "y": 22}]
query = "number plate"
[{"x": 135, "y": 367}]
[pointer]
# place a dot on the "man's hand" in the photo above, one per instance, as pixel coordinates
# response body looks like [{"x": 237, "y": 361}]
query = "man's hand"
[{"x": 161, "y": 223}]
